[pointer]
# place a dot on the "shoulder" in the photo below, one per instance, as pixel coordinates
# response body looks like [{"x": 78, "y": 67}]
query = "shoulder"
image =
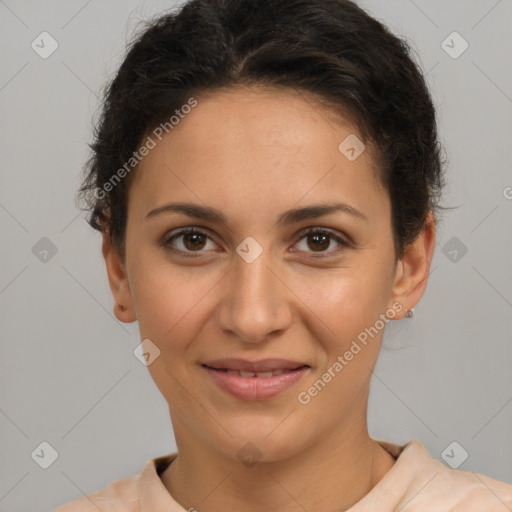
[
  {"x": 121, "y": 495},
  {"x": 118, "y": 496},
  {"x": 466, "y": 491},
  {"x": 436, "y": 486}
]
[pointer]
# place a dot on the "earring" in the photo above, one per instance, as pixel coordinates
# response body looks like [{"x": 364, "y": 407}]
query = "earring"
[
  {"x": 409, "y": 313},
  {"x": 122, "y": 308}
]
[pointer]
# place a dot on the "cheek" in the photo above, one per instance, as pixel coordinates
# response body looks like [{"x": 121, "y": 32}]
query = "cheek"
[
  {"x": 344, "y": 314},
  {"x": 345, "y": 301},
  {"x": 170, "y": 307},
  {"x": 171, "y": 303}
]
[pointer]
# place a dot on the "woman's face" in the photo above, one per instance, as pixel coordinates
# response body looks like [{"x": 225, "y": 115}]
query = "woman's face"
[{"x": 256, "y": 286}]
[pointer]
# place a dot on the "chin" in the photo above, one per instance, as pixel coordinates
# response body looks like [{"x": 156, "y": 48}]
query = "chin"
[{"x": 269, "y": 441}]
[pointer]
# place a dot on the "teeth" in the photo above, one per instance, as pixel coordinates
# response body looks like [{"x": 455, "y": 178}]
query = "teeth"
[{"x": 255, "y": 374}]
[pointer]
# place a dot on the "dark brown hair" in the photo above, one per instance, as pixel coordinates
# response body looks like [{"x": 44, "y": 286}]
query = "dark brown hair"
[{"x": 330, "y": 48}]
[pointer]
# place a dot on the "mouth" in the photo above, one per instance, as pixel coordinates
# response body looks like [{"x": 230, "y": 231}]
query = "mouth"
[
  {"x": 260, "y": 375},
  {"x": 255, "y": 380}
]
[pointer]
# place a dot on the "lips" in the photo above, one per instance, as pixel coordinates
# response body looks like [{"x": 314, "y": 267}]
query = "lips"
[{"x": 255, "y": 380}]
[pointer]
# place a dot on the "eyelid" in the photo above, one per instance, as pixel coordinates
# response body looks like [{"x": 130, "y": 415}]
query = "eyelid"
[
  {"x": 319, "y": 229},
  {"x": 178, "y": 232},
  {"x": 343, "y": 241}
]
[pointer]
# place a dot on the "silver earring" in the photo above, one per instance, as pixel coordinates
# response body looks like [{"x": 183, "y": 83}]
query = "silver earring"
[{"x": 409, "y": 313}]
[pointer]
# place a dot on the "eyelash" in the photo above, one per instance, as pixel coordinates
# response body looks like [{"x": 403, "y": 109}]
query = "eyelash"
[{"x": 169, "y": 237}]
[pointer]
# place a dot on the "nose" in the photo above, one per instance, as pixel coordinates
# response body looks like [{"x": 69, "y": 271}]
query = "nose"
[{"x": 256, "y": 302}]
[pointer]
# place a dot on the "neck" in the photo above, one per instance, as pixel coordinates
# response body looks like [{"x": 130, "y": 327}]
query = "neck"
[{"x": 330, "y": 475}]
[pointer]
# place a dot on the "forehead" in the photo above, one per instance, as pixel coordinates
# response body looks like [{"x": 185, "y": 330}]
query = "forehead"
[{"x": 256, "y": 148}]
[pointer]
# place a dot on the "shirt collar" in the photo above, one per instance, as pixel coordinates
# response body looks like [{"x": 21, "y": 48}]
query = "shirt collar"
[{"x": 411, "y": 458}]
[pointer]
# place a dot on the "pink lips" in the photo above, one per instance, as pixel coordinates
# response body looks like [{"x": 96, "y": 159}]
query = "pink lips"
[{"x": 273, "y": 376}]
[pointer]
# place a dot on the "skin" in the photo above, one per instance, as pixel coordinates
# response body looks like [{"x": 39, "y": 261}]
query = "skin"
[{"x": 253, "y": 154}]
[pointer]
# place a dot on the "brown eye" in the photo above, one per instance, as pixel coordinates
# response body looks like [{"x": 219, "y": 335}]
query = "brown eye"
[
  {"x": 189, "y": 240},
  {"x": 319, "y": 241},
  {"x": 193, "y": 241}
]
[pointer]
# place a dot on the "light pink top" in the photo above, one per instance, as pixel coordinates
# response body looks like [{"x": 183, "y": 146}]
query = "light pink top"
[{"x": 416, "y": 483}]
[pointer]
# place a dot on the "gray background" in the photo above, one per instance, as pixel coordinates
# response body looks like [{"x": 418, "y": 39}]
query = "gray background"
[{"x": 67, "y": 372}]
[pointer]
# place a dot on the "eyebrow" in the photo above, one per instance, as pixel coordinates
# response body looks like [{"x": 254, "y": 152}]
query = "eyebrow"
[{"x": 289, "y": 217}]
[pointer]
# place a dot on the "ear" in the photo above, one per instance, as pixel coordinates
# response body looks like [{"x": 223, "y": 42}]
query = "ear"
[
  {"x": 411, "y": 276},
  {"x": 118, "y": 280}
]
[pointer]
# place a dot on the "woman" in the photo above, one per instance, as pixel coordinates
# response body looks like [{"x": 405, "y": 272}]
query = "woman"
[{"x": 266, "y": 177}]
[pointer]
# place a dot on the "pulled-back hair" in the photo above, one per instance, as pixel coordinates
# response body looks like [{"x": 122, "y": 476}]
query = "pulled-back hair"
[{"x": 329, "y": 48}]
